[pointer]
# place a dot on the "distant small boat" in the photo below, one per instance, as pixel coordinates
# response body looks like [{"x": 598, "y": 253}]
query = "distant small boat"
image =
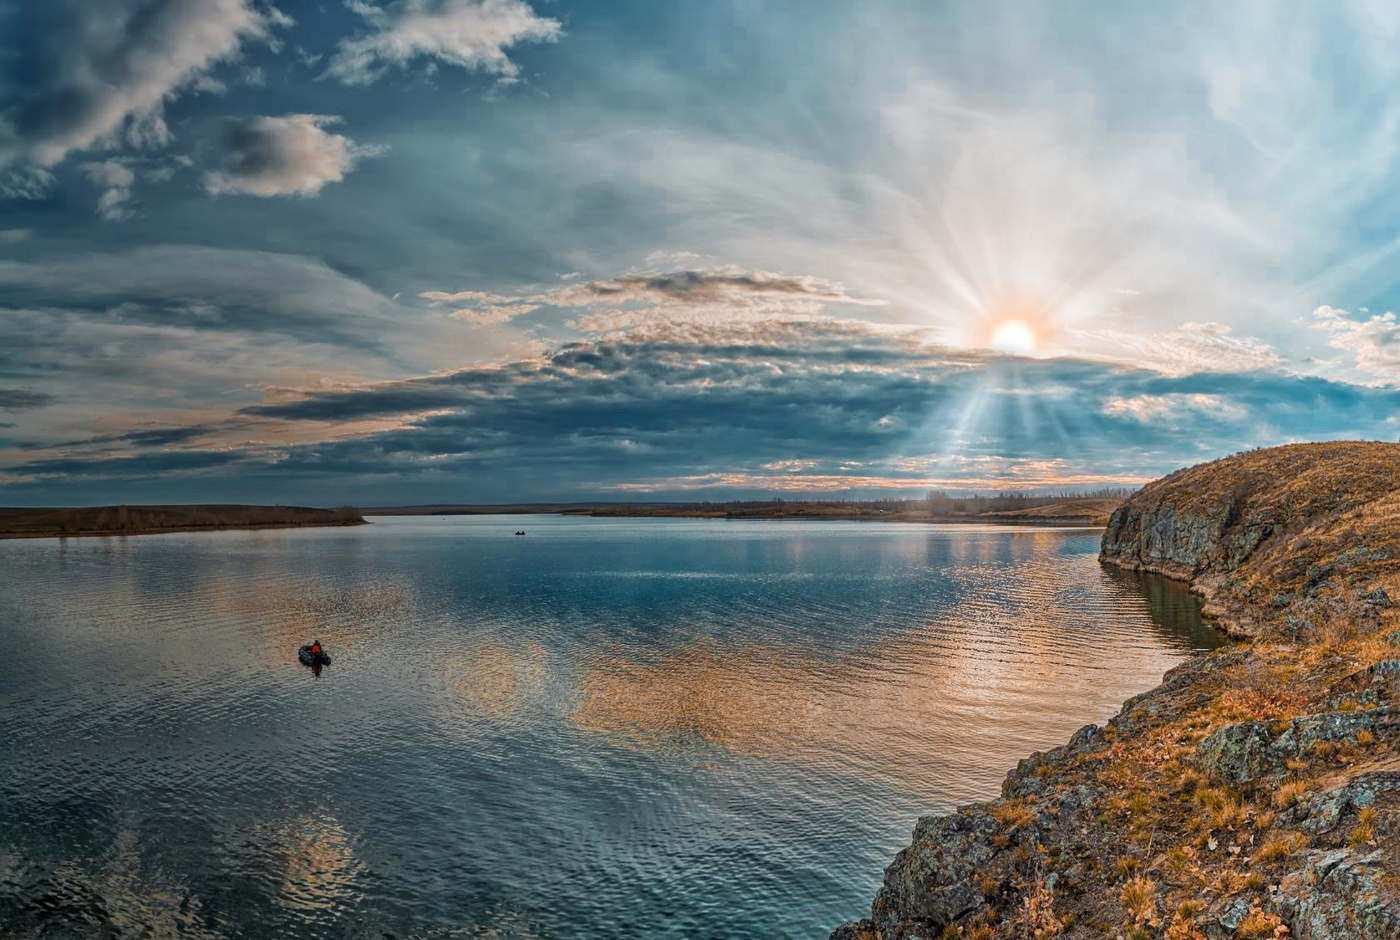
[{"x": 308, "y": 658}]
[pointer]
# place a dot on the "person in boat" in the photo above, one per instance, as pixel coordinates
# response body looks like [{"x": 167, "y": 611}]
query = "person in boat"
[{"x": 315, "y": 647}]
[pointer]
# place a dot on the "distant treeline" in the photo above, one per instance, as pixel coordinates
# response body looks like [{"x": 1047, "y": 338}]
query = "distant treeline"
[
  {"x": 111, "y": 520},
  {"x": 942, "y": 503},
  {"x": 937, "y": 503}
]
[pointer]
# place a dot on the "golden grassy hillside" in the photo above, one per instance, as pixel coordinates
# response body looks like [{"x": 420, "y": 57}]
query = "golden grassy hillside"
[
  {"x": 1283, "y": 538},
  {"x": 1096, "y": 511}
]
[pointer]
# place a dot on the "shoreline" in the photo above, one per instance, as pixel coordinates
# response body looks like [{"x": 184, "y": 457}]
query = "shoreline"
[
  {"x": 173, "y": 530},
  {"x": 1255, "y": 791},
  {"x": 1070, "y": 522}
]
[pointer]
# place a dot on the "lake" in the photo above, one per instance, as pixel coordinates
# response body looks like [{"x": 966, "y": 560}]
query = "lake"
[{"x": 603, "y": 728}]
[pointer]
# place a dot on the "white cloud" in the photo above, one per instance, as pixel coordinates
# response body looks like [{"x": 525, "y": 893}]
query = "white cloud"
[
  {"x": 470, "y": 34},
  {"x": 284, "y": 156},
  {"x": 493, "y": 314},
  {"x": 698, "y": 298},
  {"x": 1374, "y": 342},
  {"x": 436, "y": 297},
  {"x": 1190, "y": 348},
  {"x": 116, "y": 178},
  {"x": 12, "y": 236},
  {"x": 483, "y": 308},
  {"x": 1173, "y": 407},
  {"x": 111, "y": 67},
  {"x": 651, "y": 304}
]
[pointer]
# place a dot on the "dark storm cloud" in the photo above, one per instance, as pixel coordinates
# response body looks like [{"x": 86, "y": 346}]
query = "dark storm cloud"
[
  {"x": 202, "y": 289},
  {"x": 148, "y": 437},
  {"x": 844, "y": 400},
  {"x": 19, "y": 399},
  {"x": 139, "y": 465}
]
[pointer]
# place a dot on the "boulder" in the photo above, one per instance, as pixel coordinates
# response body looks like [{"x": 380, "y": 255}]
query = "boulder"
[{"x": 931, "y": 883}]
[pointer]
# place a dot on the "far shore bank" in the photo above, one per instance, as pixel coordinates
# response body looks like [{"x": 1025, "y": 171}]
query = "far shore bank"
[
  {"x": 98, "y": 521},
  {"x": 1041, "y": 512}
]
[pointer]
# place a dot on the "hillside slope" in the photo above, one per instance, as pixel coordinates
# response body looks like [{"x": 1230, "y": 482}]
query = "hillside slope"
[
  {"x": 1256, "y": 792},
  {"x": 1283, "y": 538},
  {"x": 1092, "y": 511}
]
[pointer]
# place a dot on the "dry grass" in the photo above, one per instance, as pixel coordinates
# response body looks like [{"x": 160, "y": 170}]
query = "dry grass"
[
  {"x": 1191, "y": 781},
  {"x": 1012, "y": 814},
  {"x": 1291, "y": 792},
  {"x": 1231, "y": 814},
  {"x": 1278, "y": 847},
  {"x": 1259, "y": 924},
  {"x": 1139, "y": 897},
  {"x": 1365, "y": 831}
]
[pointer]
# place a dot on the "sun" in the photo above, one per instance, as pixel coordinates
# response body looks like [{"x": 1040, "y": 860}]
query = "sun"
[{"x": 1015, "y": 337}]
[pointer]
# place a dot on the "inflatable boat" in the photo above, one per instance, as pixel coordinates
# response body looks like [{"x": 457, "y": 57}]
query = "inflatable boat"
[{"x": 309, "y": 658}]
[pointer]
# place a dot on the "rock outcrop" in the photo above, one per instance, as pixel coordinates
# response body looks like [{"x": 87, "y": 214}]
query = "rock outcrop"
[
  {"x": 1256, "y": 791},
  {"x": 1262, "y": 535}
]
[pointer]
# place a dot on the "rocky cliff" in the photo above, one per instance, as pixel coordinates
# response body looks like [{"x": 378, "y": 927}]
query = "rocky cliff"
[
  {"x": 1256, "y": 791},
  {"x": 1262, "y": 535}
]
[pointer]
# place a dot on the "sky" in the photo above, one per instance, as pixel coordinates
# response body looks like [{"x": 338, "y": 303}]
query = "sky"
[{"x": 381, "y": 252}]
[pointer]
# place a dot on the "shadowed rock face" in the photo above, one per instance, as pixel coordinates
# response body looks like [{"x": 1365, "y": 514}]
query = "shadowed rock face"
[{"x": 1298, "y": 547}]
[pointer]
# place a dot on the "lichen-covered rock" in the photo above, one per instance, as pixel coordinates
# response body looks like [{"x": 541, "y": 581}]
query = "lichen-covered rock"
[
  {"x": 1251, "y": 752},
  {"x": 930, "y": 884},
  {"x": 1337, "y": 896},
  {"x": 1321, "y": 813},
  {"x": 1025, "y": 779},
  {"x": 1241, "y": 755},
  {"x": 1380, "y": 597},
  {"x": 856, "y": 930}
]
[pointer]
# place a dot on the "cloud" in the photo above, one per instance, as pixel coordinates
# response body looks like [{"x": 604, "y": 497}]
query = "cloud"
[
  {"x": 658, "y": 305},
  {"x": 179, "y": 336},
  {"x": 117, "y": 178},
  {"x": 27, "y": 183},
  {"x": 13, "y": 236},
  {"x": 99, "y": 74},
  {"x": 1174, "y": 408},
  {"x": 1191, "y": 348},
  {"x": 819, "y": 406},
  {"x": 493, "y": 314},
  {"x": 469, "y": 34},
  {"x": 482, "y": 307},
  {"x": 284, "y": 156},
  {"x": 1373, "y": 342},
  {"x": 18, "y": 399}
]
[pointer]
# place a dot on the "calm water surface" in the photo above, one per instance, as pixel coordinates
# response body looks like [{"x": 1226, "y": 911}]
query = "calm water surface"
[{"x": 606, "y": 728}]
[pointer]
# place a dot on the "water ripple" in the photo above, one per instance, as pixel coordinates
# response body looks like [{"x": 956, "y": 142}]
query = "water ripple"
[{"x": 611, "y": 728}]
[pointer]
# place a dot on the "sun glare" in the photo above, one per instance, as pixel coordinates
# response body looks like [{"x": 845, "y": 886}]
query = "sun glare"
[{"x": 1013, "y": 336}]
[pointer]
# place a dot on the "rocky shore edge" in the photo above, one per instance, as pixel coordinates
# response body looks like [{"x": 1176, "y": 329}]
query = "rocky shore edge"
[{"x": 1256, "y": 791}]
